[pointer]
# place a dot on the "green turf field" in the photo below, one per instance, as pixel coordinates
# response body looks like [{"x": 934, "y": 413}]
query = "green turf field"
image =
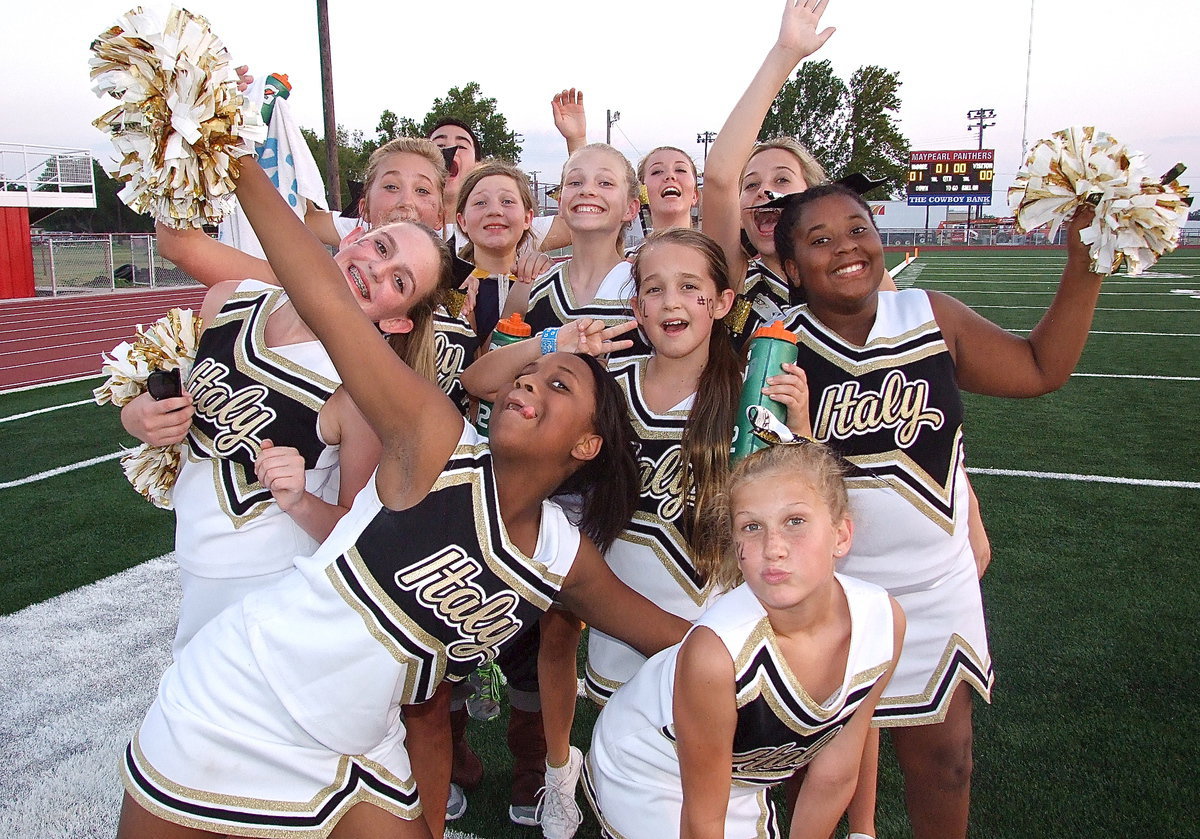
[{"x": 1091, "y": 596}]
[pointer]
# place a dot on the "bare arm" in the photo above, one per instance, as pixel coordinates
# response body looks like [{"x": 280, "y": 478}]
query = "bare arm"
[
  {"x": 320, "y": 222},
  {"x": 832, "y": 775},
  {"x": 208, "y": 261},
  {"x": 981, "y": 545},
  {"x": 570, "y": 118},
  {"x": 798, "y": 39},
  {"x": 416, "y": 423},
  {"x": 992, "y": 361},
  {"x": 281, "y": 468},
  {"x": 592, "y": 592},
  {"x": 704, "y": 711},
  {"x": 499, "y": 367}
]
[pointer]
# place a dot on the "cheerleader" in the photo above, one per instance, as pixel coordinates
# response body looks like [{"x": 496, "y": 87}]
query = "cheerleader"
[
  {"x": 866, "y": 353},
  {"x": 292, "y": 697},
  {"x": 782, "y": 673}
]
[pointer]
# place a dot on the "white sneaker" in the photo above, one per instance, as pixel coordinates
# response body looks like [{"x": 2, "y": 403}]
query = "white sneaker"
[
  {"x": 456, "y": 803},
  {"x": 557, "y": 811}
]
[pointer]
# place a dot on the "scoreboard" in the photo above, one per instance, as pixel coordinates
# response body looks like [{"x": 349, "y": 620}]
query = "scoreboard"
[{"x": 951, "y": 177}]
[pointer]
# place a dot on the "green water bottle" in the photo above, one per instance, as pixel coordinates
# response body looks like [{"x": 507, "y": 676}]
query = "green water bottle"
[
  {"x": 770, "y": 348},
  {"x": 508, "y": 331}
]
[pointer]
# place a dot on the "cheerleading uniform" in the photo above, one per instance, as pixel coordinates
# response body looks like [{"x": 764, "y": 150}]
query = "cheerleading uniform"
[
  {"x": 652, "y": 555},
  {"x": 456, "y": 344},
  {"x": 764, "y": 299},
  {"x": 892, "y": 407},
  {"x": 552, "y": 302},
  {"x": 230, "y": 535},
  {"x": 632, "y": 773},
  {"x": 285, "y": 709}
]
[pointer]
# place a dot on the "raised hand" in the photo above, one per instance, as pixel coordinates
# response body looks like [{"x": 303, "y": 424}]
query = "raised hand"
[
  {"x": 569, "y": 117},
  {"x": 591, "y": 337},
  {"x": 798, "y": 29}
]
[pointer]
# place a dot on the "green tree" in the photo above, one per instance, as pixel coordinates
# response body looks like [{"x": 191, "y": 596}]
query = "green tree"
[
  {"x": 849, "y": 128},
  {"x": 878, "y": 147},
  {"x": 354, "y": 150},
  {"x": 814, "y": 108},
  {"x": 469, "y": 105}
]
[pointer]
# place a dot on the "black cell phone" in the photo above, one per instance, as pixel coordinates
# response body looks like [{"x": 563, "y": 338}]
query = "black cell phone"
[{"x": 164, "y": 384}]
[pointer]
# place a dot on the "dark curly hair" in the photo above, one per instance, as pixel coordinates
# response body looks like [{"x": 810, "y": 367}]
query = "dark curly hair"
[{"x": 789, "y": 218}]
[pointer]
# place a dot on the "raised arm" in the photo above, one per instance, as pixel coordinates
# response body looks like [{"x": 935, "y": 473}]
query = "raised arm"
[
  {"x": 993, "y": 361},
  {"x": 798, "y": 39},
  {"x": 208, "y": 261},
  {"x": 416, "y": 423},
  {"x": 704, "y": 711},
  {"x": 499, "y": 367}
]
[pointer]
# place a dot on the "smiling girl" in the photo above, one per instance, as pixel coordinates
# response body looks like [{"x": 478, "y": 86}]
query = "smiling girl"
[
  {"x": 884, "y": 372},
  {"x": 266, "y": 482},
  {"x": 669, "y": 175},
  {"x": 681, "y": 398},
  {"x": 450, "y": 552}
]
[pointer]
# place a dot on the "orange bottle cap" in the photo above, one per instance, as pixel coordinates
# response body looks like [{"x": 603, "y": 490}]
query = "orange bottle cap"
[
  {"x": 776, "y": 330},
  {"x": 514, "y": 324}
]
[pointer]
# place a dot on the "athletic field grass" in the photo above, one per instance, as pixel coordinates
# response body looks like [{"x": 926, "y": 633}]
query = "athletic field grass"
[{"x": 1090, "y": 496}]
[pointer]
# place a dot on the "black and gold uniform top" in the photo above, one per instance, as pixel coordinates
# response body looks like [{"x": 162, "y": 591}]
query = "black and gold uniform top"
[
  {"x": 552, "y": 303},
  {"x": 405, "y": 599},
  {"x": 245, "y": 392}
]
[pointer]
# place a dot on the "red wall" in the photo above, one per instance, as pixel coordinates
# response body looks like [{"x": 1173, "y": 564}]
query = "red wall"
[{"x": 16, "y": 254}]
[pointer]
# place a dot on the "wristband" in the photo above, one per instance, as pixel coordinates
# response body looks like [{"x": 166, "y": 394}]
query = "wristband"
[{"x": 549, "y": 340}]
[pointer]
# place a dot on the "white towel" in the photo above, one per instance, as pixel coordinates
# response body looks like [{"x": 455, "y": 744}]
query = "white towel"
[{"x": 289, "y": 164}]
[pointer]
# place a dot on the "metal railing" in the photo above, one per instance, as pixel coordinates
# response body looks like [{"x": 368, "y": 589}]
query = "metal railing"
[
  {"x": 66, "y": 263},
  {"x": 46, "y": 176}
]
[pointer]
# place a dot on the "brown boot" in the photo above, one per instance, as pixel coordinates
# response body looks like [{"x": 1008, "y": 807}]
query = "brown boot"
[
  {"x": 527, "y": 742},
  {"x": 467, "y": 769}
]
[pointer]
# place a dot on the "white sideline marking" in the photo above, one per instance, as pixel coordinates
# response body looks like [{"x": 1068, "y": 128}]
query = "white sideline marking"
[
  {"x": 1137, "y": 376},
  {"x": 24, "y": 388},
  {"x": 48, "y": 410},
  {"x": 41, "y": 476},
  {"x": 1091, "y": 479},
  {"x": 1098, "y": 309},
  {"x": 1150, "y": 334}
]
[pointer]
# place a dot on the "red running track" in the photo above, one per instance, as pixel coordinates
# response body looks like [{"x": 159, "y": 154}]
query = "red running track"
[{"x": 52, "y": 339}]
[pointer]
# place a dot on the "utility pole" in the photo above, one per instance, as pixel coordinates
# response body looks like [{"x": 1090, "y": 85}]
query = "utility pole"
[
  {"x": 537, "y": 202},
  {"x": 980, "y": 115},
  {"x": 706, "y": 137},
  {"x": 334, "y": 190},
  {"x": 613, "y": 116}
]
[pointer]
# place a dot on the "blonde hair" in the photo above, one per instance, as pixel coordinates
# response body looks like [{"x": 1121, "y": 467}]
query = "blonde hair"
[
  {"x": 416, "y": 347},
  {"x": 403, "y": 145},
  {"x": 641, "y": 167},
  {"x": 484, "y": 170},
  {"x": 816, "y": 463},
  {"x": 633, "y": 190},
  {"x": 812, "y": 171}
]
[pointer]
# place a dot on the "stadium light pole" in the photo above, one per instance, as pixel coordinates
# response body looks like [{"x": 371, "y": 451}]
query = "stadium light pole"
[
  {"x": 1028, "y": 67},
  {"x": 613, "y": 116},
  {"x": 980, "y": 115},
  {"x": 536, "y": 200},
  {"x": 706, "y": 137}
]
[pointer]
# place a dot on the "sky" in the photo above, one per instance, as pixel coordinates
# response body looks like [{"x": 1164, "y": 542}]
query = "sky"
[{"x": 672, "y": 68}]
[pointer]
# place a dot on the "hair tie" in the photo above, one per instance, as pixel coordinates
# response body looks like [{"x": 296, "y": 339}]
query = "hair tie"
[{"x": 549, "y": 340}]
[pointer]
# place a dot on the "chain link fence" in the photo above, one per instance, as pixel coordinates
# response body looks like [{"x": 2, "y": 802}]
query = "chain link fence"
[{"x": 73, "y": 263}]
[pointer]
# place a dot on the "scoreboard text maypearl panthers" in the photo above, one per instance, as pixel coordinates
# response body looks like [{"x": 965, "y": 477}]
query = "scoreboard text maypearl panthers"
[{"x": 951, "y": 177}]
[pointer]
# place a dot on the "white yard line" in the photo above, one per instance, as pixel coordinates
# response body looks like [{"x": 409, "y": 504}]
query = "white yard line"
[
  {"x": 62, "y": 470},
  {"x": 48, "y": 410},
  {"x": 1091, "y": 479},
  {"x": 1137, "y": 376},
  {"x": 24, "y": 388}
]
